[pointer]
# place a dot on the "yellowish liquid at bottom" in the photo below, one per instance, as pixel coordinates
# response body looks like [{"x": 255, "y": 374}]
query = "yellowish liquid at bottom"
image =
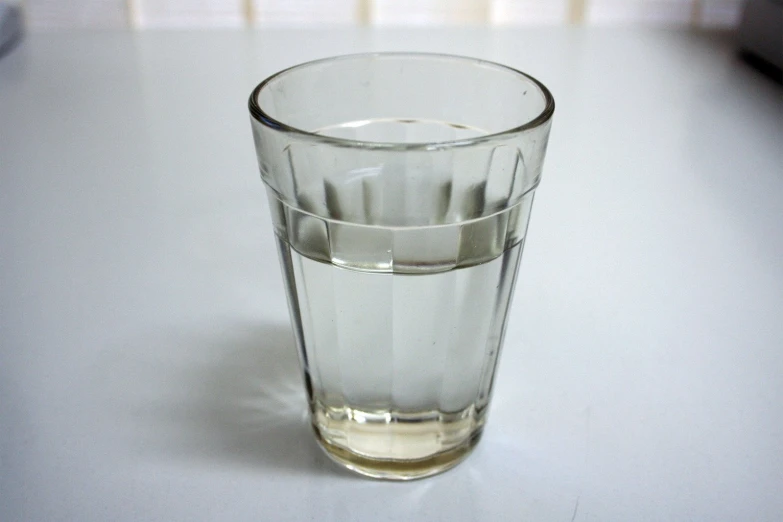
[{"x": 396, "y": 446}]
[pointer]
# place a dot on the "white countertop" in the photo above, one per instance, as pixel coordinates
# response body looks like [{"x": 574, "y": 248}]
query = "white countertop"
[{"x": 147, "y": 370}]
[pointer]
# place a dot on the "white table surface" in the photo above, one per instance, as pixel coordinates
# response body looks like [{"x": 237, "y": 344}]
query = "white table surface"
[{"x": 147, "y": 370}]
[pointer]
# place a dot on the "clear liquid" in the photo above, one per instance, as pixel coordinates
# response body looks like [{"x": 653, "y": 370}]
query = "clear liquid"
[{"x": 399, "y": 331}]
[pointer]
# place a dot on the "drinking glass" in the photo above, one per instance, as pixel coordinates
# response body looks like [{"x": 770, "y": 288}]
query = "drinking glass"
[{"x": 400, "y": 187}]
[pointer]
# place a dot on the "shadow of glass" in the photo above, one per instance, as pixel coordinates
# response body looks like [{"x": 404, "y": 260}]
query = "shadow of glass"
[
  {"x": 232, "y": 398},
  {"x": 235, "y": 397}
]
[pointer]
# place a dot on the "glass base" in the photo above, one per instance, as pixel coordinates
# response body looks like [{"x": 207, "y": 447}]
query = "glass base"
[{"x": 398, "y": 469}]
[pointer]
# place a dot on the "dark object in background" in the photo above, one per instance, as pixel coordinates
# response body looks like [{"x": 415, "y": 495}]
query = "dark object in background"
[
  {"x": 10, "y": 27},
  {"x": 761, "y": 36}
]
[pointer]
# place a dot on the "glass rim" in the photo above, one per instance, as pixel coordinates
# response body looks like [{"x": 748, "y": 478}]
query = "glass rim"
[{"x": 273, "y": 123}]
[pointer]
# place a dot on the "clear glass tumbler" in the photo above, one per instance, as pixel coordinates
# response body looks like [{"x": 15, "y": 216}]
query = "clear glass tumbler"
[{"x": 400, "y": 187}]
